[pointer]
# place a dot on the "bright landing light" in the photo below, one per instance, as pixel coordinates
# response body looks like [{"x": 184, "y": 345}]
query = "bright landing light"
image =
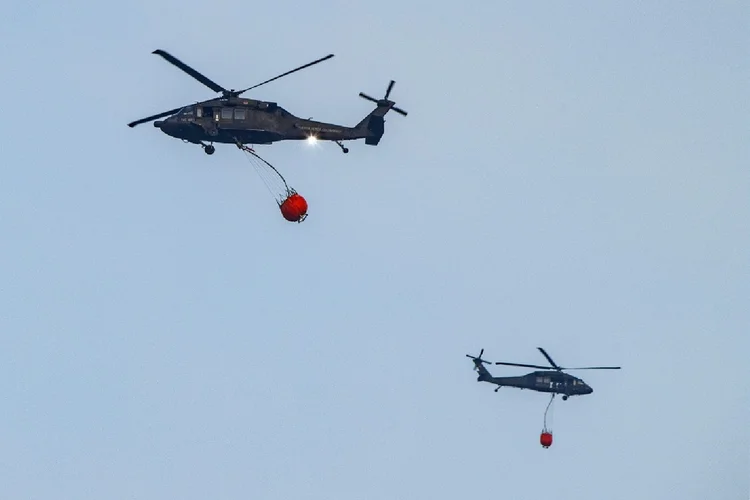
[{"x": 312, "y": 139}]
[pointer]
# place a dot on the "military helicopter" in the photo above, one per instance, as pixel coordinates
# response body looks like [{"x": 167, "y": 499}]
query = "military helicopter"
[
  {"x": 231, "y": 119},
  {"x": 551, "y": 381}
]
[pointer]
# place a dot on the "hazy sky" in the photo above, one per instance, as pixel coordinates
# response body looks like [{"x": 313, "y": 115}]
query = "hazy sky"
[{"x": 572, "y": 175}]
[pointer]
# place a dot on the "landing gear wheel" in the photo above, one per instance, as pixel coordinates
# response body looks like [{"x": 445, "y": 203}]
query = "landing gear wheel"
[
  {"x": 209, "y": 150},
  {"x": 565, "y": 398},
  {"x": 343, "y": 148}
]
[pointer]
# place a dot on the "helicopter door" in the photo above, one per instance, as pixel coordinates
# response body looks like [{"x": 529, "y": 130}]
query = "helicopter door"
[{"x": 204, "y": 111}]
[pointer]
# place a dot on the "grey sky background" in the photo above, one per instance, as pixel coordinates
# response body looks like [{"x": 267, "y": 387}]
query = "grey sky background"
[{"x": 572, "y": 175}]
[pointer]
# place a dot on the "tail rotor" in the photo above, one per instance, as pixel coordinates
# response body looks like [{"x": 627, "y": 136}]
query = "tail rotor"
[
  {"x": 384, "y": 101},
  {"x": 478, "y": 359}
]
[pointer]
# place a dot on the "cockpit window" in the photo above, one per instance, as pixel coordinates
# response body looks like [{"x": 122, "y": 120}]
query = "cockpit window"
[{"x": 239, "y": 113}]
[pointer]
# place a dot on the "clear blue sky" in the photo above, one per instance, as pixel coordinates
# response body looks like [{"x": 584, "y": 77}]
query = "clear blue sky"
[{"x": 572, "y": 175}]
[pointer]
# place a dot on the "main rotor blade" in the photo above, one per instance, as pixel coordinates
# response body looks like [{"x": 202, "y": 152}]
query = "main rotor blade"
[
  {"x": 190, "y": 71},
  {"x": 287, "y": 73},
  {"x": 154, "y": 117},
  {"x": 595, "y": 368},
  {"x": 522, "y": 365},
  {"x": 554, "y": 365}
]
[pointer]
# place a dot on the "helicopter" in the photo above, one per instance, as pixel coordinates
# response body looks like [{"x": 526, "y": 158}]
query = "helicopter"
[
  {"x": 232, "y": 119},
  {"x": 553, "y": 381}
]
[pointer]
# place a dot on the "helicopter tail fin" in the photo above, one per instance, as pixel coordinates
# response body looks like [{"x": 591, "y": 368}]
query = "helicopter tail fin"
[
  {"x": 484, "y": 374},
  {"x": 374, "y": 123}
]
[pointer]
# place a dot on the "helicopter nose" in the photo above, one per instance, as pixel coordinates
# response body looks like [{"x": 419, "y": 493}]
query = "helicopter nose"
[
  {"x": 168, "y": 127},
  {"x": 589, "y": 390}
]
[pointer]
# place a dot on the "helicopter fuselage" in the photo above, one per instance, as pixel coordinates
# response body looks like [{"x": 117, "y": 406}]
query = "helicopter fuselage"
[
  {"x": 248, "y": 121},
  {"x": 544, "y": 381}
]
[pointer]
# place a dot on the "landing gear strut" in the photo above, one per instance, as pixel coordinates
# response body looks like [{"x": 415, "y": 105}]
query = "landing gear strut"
[{"x": 343, "y": 148}]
